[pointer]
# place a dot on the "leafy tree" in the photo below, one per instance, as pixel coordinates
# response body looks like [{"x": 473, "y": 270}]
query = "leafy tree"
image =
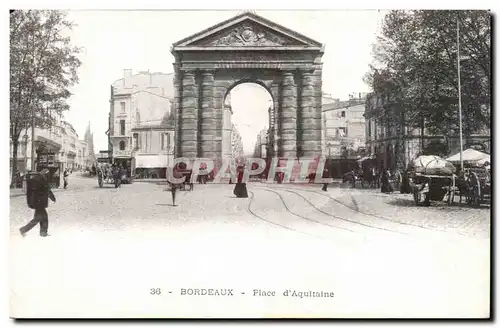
[
  {"x": 43, "y": 66},
  {"x": 415, "y": 70}
]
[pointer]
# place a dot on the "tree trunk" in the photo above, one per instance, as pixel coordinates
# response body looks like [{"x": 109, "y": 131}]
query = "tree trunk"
[{"x": 15, "y": 146}]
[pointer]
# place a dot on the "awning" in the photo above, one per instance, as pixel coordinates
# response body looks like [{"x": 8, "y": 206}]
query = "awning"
[
  {"x": 470, "y": 155},
  {"x": 151, "y": 161}
]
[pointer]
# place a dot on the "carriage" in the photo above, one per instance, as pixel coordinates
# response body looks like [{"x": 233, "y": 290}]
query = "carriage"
[
  {"x": 433, "y": 179},
  {"x": 430, "y": 187}
]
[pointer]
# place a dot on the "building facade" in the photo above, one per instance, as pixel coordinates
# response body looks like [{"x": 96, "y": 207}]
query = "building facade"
[
  {"x": 261, "y": 144},
  {"x": 60, "y": 140},
  {"x": 81, "y": 155},
  {"x": 396, "y": 145},
  {"x": 344, "y": 127},
  {"x": 236, "y": 143},
  {"x": 140, "y": 121}
]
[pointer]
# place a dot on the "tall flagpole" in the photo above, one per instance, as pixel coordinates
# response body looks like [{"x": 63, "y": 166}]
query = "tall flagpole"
[{"x": 459, "y": 95}]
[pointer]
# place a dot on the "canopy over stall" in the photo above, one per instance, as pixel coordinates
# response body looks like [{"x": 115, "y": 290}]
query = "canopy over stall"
[
  {"x": 470, "y": 156},
  {"x": 433, "y": 165}
]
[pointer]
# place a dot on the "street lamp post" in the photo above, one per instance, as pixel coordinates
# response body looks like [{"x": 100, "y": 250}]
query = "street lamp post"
[
  {"x": 25, "y": 144},
  {"x": 459, "y": 95},
  {"x": 33, "y": 169}
]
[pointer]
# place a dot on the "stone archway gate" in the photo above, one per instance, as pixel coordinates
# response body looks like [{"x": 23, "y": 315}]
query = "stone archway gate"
[{"x": 248, "y": 48}]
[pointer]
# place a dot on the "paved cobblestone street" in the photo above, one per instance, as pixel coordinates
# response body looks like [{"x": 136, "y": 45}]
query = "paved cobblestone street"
[{"x": 358, "y": 241}]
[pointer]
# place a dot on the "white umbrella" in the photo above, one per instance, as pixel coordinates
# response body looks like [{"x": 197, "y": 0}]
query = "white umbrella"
[{"x": 469, "y": 155}]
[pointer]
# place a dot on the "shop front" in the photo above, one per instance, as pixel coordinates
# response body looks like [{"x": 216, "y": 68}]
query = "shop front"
[{"x": 152, "y": 166}]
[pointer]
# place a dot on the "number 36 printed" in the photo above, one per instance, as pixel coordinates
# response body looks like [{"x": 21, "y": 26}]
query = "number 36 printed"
[{"x": 155, "y": 291}]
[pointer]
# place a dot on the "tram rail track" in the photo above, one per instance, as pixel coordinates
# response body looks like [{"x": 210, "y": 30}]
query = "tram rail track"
[
  {"x": 356, "y": 210},
  {"x": 251, "y": 212},
  {"x": 301, "y": 216},
  {"x": 336, "y": 216}
]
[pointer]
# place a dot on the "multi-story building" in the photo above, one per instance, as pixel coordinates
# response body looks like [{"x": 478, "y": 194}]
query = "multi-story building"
[
  {"x": 395, "y": 144},
  {"x": 68, "y": 149},
  {"x": 236, "y": 143},
  {"x": 343, "y": 126},
  {"x": 81, "y": 154},
  {"x": 60, "y": 141},
  {"x": 46, "y": 140},
  {"x": 261, "y": 144},
  {"x": 139, "y": 122}
]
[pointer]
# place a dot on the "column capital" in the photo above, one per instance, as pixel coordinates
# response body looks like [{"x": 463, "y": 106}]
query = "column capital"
[
  {"x": 287, "y": 72},
  {"x": 306, "y": 71},
  {"x": 189, "y": 72},
  {"x": 208, "y": 72}
]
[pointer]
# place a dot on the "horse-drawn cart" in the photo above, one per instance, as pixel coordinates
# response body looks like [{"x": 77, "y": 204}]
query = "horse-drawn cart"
[
  {"x": 434, "y": 180},
  {"x": 433, "y": 188}
]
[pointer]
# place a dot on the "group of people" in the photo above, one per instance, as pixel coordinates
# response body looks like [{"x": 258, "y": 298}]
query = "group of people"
[
  {"x": 114, "y": 172},
  {"x": 384, "y": 180}
]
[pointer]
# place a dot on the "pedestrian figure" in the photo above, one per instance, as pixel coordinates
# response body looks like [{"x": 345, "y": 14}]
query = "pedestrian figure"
[
  {"x": 37, "y": 195},
  {"x": 386, "y": 184},
  {"x": 188, "y": 180},
  {"x": 405, "y": 183},
  {"x": 117, "y": 176},
  {"x": 175, "y": 186},
  {"x": 240, "y": 190},
  {"x": 326, "y": 175},
  {"x": 66, "y": 174}
]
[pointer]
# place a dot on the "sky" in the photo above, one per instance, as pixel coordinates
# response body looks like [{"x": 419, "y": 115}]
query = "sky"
[{"x": 141, "y": 40}]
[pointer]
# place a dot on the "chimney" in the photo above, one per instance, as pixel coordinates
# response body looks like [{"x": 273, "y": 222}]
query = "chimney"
[{"x": 127, "y": 74}]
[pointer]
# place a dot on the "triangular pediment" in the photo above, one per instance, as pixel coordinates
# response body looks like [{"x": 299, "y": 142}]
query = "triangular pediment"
[{"x": 247, "y": 30}]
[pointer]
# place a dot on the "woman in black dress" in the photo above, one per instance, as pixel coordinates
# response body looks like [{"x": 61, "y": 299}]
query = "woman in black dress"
[{"x": 240, "y": 190}]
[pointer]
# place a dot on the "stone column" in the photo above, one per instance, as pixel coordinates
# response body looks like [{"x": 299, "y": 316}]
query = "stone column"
[
  {"x": 289, "y": 116},
  {"x": 189, "y": 117},
  {"x": 318, "y": 105},
  {"x": 311, "y": 133},
  {"x": 177, "y": 111},
  {"x": 275, "y": 89},
  {"x": 208, "y": 119}
]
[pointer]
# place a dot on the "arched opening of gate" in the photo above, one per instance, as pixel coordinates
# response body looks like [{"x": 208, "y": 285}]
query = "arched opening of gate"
[
  {"x": 248, "y": 48},
  {"x": 247, "y": 117}
]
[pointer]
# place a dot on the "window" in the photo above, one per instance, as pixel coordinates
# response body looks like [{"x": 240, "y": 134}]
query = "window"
[
  {"x": 122, "y": 127},
  {"x": 165, "y": 140},
  {"x": 136, "y": 141},
  {"x": 342, "y": 114},
  {"x": 122, "y": 145},
  {"x": 342, "y": 132},
  {"x": 122, "y": 105}
]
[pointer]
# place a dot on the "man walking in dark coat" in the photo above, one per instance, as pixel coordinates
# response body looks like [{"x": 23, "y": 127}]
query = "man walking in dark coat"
[
  {"x": 176, "y": 174},
  {"x": 38, "y": 194}
]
